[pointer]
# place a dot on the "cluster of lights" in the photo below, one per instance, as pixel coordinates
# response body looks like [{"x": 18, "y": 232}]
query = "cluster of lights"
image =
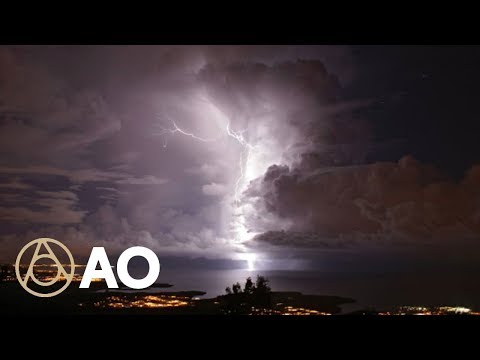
[
  {"x": 147, "y": 301},
  {"x": 422, "y": 310},
  {"x": 9, "y": 278},
  {"x": 47, "y": 273},
  {"x": 262, "y": 311},
  {"x": 290, "y": 310},
  {"x": 76, "y": 278},
  {"x": 287, "y": 310}
]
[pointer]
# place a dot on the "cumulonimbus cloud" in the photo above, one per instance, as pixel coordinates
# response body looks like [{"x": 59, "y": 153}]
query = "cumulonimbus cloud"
[{"x": 383, "y": 203}]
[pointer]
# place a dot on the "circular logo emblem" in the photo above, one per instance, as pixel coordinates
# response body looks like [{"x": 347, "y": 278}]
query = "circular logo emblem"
[{"x": 44, "y": 251}]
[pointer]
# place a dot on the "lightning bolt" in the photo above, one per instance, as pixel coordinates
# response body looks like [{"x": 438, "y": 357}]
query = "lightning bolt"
[
  {"x": 245, "y": 154},
  {"x": 239, "y": 227},
  {"x": 238, "y": 223},
  {"x": 177, "y": 129},
  {"x": 237, "y": 135}
]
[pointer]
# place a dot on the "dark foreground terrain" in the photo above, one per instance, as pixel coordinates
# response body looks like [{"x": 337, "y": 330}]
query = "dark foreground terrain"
[{"x": 14, "y": 300}]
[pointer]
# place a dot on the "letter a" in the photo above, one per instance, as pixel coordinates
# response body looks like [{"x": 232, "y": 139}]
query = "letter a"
[{"x": 98, "y": 255}]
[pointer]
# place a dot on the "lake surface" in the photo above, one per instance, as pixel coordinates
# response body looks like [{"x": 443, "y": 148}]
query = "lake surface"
[{"x": 381, "y": 291}]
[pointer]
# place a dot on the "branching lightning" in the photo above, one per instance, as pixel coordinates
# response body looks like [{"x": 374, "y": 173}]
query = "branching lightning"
[
  {"x": 237, "y": 135},
  {"x": 238, "y": 225},
  {"x": 177, "y": 129},
  {"x": 245, "y": 154}
]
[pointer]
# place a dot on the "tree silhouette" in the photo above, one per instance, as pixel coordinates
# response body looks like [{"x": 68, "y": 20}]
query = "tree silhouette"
[
  {"x": 254, "y": 296},
  {"x": 249, "y": 287},
  {"x": 237, "y": 288},
  {"x": 262, "y": 285}
]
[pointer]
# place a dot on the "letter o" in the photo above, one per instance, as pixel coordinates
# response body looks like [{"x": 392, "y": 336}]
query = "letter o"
[{"x": 153, "y": 267}]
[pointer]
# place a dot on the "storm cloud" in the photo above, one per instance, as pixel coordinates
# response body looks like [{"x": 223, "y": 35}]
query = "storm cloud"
[
  {"x": 91, "y": 152},
  {"x": 377, "y": 204},
  {"x": 212, "y": 151}
]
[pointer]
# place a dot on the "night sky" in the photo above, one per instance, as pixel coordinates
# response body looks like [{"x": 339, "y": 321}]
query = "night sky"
[
  {"x": 425, "y": 102},
  {"x": 328, "y": 158}
]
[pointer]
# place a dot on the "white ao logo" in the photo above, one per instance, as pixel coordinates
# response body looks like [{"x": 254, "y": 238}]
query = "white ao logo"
[{"x": 98, "y": 256}]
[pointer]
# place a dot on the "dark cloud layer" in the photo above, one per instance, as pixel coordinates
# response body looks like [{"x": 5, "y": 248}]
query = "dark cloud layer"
[{"x": 381, "y": 203}]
